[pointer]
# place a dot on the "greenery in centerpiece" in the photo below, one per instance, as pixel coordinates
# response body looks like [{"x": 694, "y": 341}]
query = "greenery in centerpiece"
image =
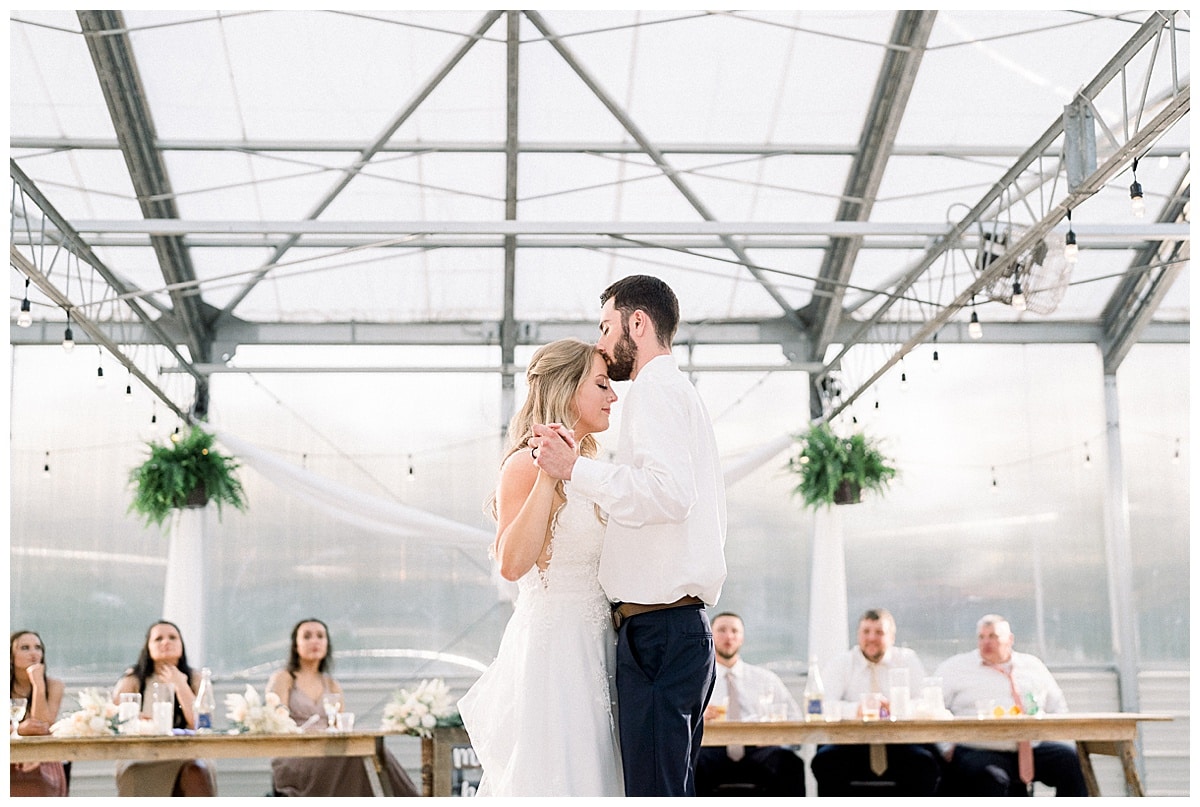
[
  {"x": 836, "y": 470},
  {"x": 186, "y": 472}
]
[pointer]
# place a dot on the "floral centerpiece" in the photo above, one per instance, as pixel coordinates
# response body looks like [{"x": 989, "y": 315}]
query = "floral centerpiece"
[
  {"x": 251, "y": 714},
  {"x": 97, "y": 717},
  {"x": 420, "y": 711}
]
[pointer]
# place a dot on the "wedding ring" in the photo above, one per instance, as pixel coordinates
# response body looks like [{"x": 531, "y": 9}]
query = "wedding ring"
[{"x": 533, "y": 452}]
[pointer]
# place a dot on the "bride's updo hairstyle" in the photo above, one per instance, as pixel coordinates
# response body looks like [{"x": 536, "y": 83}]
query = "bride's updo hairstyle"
[{"x": 554, "y": 376}]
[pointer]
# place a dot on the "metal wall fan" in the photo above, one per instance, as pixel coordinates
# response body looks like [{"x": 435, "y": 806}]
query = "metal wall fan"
[{"x": 1042, "y": 271}]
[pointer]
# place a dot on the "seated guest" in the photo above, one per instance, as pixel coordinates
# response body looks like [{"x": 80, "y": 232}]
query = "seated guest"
[
  {"x": 912, "y": 770},
  {"x": 744, "y": 690},
  {"x": 1016, "y": 682},
  {"x": 164, "y": 660},
  {"x": 43, "y": 695},
  {"x": 301, "y": 686}
]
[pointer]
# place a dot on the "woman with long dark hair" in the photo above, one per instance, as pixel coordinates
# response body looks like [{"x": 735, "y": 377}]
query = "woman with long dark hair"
[
  {"x": 27, "y": 679},
  {"x": 302, "y": 686},
  {"x": 163, "y": 659}
]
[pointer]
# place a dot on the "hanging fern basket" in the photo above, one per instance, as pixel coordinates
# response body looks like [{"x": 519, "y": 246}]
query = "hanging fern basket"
[
  {"x": 837, "y": 470},
  {"x": 186, "y": 472}
]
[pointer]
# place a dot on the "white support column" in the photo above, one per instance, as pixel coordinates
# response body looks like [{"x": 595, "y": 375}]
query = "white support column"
[
  {"x": 827, "y": 619},
  {"x": 1119, "y": 556},
  {"x": 184, "y": 593}
]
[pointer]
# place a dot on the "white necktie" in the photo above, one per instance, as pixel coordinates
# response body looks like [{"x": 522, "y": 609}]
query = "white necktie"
[{"x": 733, "y": 712}]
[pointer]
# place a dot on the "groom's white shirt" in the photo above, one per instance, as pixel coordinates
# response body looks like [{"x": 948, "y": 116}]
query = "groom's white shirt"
[{"x": 664, "y": 494}]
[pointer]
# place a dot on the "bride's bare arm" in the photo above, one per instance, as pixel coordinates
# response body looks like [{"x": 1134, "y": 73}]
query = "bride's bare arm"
[{"x": 524, "y": 504}]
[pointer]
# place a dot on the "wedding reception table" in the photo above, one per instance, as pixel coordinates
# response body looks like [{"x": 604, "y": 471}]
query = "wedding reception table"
[
  {"x": 369, "y": 745},
  {"x": 1097, "y": 733}
]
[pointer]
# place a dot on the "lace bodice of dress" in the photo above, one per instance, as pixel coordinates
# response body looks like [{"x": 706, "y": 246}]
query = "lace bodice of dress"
[{"x": 577, "y": 536}]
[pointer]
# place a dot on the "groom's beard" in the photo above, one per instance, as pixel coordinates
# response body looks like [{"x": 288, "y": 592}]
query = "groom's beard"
[
  {"x": 725, "y": 654},
  {"x": 624, "y": 355}
]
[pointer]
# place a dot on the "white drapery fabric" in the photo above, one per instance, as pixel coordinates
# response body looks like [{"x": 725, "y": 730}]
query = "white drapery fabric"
[{"x": 386, "y": 517}]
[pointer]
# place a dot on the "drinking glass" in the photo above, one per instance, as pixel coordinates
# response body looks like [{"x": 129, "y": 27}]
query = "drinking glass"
[
  {"x": 16, "y": 711},
  {"x": 899, "y": 694},
  {"x": 163, "y": 707},
  {"x": 931, "y": 694},
  {"x": 345, "y": 721},
  {"x": 129, "y": 712},
  {"x": 869, "y": 704},
  {"x": 331, "y": 702}
]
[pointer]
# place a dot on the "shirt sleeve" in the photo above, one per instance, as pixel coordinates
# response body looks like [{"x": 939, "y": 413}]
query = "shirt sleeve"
[{"x": 655, "y": 482}]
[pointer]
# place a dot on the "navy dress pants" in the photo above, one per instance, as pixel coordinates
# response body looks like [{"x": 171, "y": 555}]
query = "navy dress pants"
[
  {"x": 981, "y": 772},
  {"x": 665, "y": 675}
]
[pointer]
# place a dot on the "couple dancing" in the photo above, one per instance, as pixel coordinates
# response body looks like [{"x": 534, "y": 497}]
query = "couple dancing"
[{"x": 572, "y": 706}]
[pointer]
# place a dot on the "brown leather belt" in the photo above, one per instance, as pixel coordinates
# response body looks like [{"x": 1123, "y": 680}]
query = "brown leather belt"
[{"x": 625, "y": 610}]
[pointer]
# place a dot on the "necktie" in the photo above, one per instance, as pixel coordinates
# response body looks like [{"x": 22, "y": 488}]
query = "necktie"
[
  {"x": 1024, "y": 747},
  {"x": 733, "y": 712},
  {"x": 874, "y": 677}
]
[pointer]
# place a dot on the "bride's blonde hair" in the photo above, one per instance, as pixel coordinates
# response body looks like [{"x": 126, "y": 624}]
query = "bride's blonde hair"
[{"x": 554, "y": 376}]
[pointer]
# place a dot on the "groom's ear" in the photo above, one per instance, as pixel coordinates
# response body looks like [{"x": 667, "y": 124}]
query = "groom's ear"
[{"x": 640, "y": 322}]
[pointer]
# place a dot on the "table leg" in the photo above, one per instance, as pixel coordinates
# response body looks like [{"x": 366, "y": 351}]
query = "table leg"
[
  {"x": 376, "y": 767},
  {"x": 1133, "y": 783},
  {"x": 1089, "y": 774}
]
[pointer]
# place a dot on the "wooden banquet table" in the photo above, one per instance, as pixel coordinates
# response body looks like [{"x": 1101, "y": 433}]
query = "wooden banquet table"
[
  {"x": 1093, "y": 733},
  {"x": 369, "y": 745}
]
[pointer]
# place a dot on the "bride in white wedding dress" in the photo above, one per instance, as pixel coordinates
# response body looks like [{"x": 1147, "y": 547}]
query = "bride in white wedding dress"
[{"x": 542, "y": 717}]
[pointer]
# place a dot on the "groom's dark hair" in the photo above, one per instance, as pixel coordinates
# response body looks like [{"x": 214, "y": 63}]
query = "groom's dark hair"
[{"x": 650, "y": 295}]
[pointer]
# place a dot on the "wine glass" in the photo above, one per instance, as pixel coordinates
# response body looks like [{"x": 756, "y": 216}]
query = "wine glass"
[
  {"x": 331, "y": 702},
  {"x": 16, "y": 711}
]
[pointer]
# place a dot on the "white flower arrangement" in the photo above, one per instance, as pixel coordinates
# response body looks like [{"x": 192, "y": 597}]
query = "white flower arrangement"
[
  {"x": 420, "y": 711},
  {"x": 250, "y": 714},
  {"x": 97, "y": 717}
]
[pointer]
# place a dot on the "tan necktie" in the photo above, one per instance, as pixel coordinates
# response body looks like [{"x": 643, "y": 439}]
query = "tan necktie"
[
  {"x": 1024, "y": 747},
  {"x": 733, "y": 712}
]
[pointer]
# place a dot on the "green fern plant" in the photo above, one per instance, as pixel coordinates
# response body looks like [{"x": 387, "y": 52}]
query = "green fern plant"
[
  {"x": 188, "y": 471},
  {"x": 836, "y": 470}
]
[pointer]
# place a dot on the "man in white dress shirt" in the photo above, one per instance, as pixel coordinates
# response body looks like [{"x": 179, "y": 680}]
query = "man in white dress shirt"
[
  {"x": 747, "y": 693},
  {"x": 912, "y": 770},
  {"x": 663, "y": 559},
  {"x": 993, "y": 675}
]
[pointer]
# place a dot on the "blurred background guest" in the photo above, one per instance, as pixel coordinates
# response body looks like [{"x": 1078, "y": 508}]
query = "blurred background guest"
[
  {"x": 43, "y": 695},
  {"x": 302, "y": 686},
  {"x": 164, "y": 660}
]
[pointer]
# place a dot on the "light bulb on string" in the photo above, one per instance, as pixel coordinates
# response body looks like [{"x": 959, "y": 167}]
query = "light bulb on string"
[
  {"x": 25, "y": 318},
  {"x": 412, "y": 476},
  {"x": 994, "y": 484},
  {"x": 68, "y": 342},
  {"x": 1087, "y": 456},
  {"x": 1071, "y": 249},
  {"x": 937, "y": 364},
  {"x": 1175, "y": 458},
  {"x": 1018, "y": 295},
  {"x": 903, "y": 377},
  {"x": 1136, "y": 198},
  {"x": 175, "y": 435},
  {"x": 974, "y": 328},
  {"x": 46, "y": 466}
]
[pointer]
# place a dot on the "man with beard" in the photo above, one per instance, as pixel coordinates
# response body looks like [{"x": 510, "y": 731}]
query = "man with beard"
[
  {"x": 663, "y": 559},
  {"x": 844, "y": 770},
  {"x": 745, "y": 690}
]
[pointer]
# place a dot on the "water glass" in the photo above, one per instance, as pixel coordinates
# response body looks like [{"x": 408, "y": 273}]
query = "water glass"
[
  {"x": 163, "y": 707},
  {"x": 931, "y": 694},
  {"x": 16, "y": 711},
  {"x": 129, "y": 711},
  {"x": 345, "y": 721},
  {"x": 868, "y": 705},
  {"x": 899, "y": 695}
]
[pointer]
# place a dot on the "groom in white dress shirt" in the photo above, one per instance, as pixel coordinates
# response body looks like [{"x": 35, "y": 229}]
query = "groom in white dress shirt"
[{"x": 663, "y": 559}]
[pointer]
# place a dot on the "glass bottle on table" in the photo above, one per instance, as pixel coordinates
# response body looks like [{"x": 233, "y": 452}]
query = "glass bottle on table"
[
  {"x": 814, "y": 694},
  {"x": 206, "y": 703}
]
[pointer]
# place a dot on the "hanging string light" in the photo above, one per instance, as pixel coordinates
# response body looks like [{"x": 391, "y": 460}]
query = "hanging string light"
[
  {"x": 46, "y": 466},
  {"x": 903, "y": 377},
  {"x": 99, "y": 367},
  {"x": 411, "y": 473},
  {"x": 936, "y": 363},
  {"x": 25, "y": 318},
  {"x": 1087, "y": 456},
  {"x": 1071, "y": 250},
  {"x": 994, "y": 485},
  {"x": 1018, "y": 295},
  {"x": 1137, "y": 200},
  {"x": 68, "y": 342},
  {"x": 1175, "y": 459},
  {"x": 974, "y": 329}
]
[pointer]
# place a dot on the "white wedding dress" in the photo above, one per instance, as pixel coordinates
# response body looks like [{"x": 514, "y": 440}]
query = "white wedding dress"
[{"x": 542, "y": 717}]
